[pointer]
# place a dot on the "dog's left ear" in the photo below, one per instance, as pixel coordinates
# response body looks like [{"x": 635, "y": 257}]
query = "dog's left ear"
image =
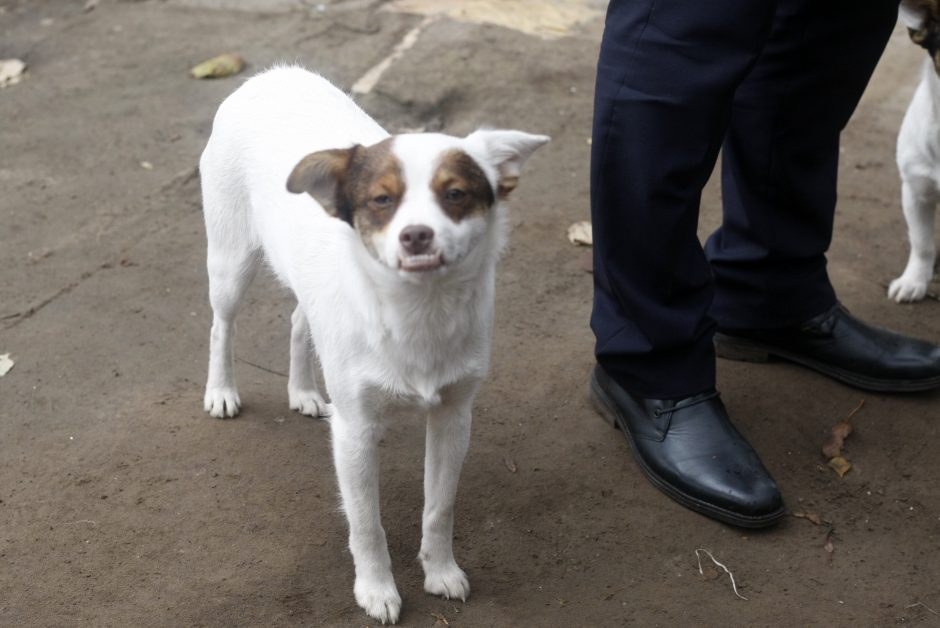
[
  {"x": 319, "y": 175},
  {"x": 507, "y": 151}
]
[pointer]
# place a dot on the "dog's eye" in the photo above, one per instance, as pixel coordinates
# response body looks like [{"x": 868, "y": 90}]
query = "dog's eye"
[
  {"x": 382, "y": 200},
  {"x": 454, "y": 194}
]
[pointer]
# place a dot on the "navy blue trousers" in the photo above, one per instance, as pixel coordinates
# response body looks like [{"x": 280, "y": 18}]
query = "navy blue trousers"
[{"x": 770, "y": 83}]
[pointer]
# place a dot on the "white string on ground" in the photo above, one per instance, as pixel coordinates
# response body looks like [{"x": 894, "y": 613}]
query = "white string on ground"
[
  {"x": 924, "y": 605},
  {"x": 734, "y": 586}
]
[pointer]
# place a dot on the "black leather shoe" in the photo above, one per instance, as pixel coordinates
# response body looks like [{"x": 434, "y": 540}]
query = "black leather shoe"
[
  {"x": 690, "y": 451},
  {"x": 839, "y": 345}
]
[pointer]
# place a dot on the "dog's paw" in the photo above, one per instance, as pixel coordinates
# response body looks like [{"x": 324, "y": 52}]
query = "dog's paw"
[
  {"x": 222, "y": 402},
  {"x": 449, "y": 581},
  {"x": 308, "y": 402},
  {"x": 904, "y": 289},
  {"x": 379, "y": 599}
]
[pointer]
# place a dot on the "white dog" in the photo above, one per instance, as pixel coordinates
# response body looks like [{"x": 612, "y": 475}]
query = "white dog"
[
  {"x": 919, "y": 155},
  {"x": 392, "y": 262}
]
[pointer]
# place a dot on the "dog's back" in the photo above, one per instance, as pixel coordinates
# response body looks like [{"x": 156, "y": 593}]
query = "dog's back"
[{"x": 259, "y": 134}]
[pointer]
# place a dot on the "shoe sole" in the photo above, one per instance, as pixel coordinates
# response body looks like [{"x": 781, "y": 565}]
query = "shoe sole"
[
  {"x": 607, "y": 410},
  {"x": 745, "y": 350}
]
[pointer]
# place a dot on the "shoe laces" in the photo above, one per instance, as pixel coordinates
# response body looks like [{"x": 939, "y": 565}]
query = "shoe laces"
[{"x": 686, "y": 403}]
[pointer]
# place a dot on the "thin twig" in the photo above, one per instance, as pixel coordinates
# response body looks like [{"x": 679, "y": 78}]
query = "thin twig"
[
  {"x": 924, "y": 605},
  {"x": 263, "y": 368},
  {"x": 855, "y": 411},
  {"x": 727, "y": 571}
]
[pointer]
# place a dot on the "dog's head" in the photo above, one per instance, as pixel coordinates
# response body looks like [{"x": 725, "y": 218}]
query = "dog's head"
[
  {"x": 922, "y": 19},
  {"x": 419, "y": 202}
]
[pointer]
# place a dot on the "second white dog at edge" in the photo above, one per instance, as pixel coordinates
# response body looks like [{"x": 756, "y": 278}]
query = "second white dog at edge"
[
  {"x": 918, "y": 156},
  {"x": 390, "y": 245}
]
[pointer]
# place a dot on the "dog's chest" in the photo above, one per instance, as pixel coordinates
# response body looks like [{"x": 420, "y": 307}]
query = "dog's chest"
[
  {"x": 406, "y": 343},
  {"x": 425, "y": 349}
]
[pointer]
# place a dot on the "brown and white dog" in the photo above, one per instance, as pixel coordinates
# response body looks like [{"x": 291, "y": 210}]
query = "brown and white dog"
[
  {"x": 392, "y": 260},
  {"x": 918, "y": 154}
]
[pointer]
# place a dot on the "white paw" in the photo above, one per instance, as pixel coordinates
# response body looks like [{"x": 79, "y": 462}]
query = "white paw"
[
  {"x": 222, "y": 402},
  {"x": 379, "y": 599},
  {"x": 906, "y": 289},
  {"x": 308, "y": 402},
  {"x": 448, "y": 581}
]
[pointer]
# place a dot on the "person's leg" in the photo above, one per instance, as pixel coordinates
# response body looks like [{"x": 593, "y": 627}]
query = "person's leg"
[
  {"x": 666, "y": 77},
  {"x": 779, "y": 170},
  {"x": 780, "y": 160}
]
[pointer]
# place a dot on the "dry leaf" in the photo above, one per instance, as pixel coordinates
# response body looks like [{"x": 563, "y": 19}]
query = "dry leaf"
[
  {"x": 812, "y": 517},
  {"x": 580, "y": 233},
  {"x": 840, "y": 465},
  {"x": 837, "y": 435},
  {"x": 217, "y": 67},
  {"x": 5, "y": 364},
  {"x": 510, "y": 464},
  {"x": 11, "y": 71},
  {"x": 441, "y": 620}
]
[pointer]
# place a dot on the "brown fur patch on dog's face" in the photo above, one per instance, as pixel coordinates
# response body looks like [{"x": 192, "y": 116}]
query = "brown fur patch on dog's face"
[
  {"x": 372, "y": 187},
  {"x": 461, "y": 187},
  {"x": 362, "y": 185},
  {"x": 928, "y": 35}
]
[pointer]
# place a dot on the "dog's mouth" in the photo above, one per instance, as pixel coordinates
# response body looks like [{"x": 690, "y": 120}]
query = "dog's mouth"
[{"x": 421, "y": 263}]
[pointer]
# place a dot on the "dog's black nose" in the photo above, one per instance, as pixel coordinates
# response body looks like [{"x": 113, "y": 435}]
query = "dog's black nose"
[{"x": 416, "y": 239}]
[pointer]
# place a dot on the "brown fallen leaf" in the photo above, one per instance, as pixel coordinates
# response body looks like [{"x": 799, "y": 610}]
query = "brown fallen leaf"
[
  {"x": 812, "y": 517},
  {"x": 510, "y": 464},
  {"x": 837, "y": 435},
  {"x": 839, "y": 432},
  {"x": 225, "y": 64},
  {"x": 840, "y": 465},
  {"x": 441, "y": 620}
]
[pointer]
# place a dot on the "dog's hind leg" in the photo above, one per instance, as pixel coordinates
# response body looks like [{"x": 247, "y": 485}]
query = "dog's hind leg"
[
  {"x": 448, "y": 435},
  {"x": 355, "y": 453},
  {"x": 302, "y": 390},
  {"x": 918, "y": 199}
]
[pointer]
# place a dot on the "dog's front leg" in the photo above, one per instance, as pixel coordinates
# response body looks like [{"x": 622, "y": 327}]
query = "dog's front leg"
[
  {"x": 355, "y": 452},
  {"x": 448, "y": 435},
  {"x": 918, "y": 200}
]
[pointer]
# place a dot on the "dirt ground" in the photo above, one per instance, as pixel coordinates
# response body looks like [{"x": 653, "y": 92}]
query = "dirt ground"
[{"x": 123, "y": 504}]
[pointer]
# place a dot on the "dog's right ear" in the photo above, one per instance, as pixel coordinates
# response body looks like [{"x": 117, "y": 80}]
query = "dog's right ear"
[{"x": 319, "y": 175}]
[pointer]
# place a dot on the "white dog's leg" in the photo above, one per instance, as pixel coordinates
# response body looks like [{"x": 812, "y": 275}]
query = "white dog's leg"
[
  {"x": 355, "y": 452},
  {"x": 918, "y": 201},
  {"x": 448, "y": 435},
  {"x": 302, "y": 390},
  {"x": 230, "y": 273}
]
